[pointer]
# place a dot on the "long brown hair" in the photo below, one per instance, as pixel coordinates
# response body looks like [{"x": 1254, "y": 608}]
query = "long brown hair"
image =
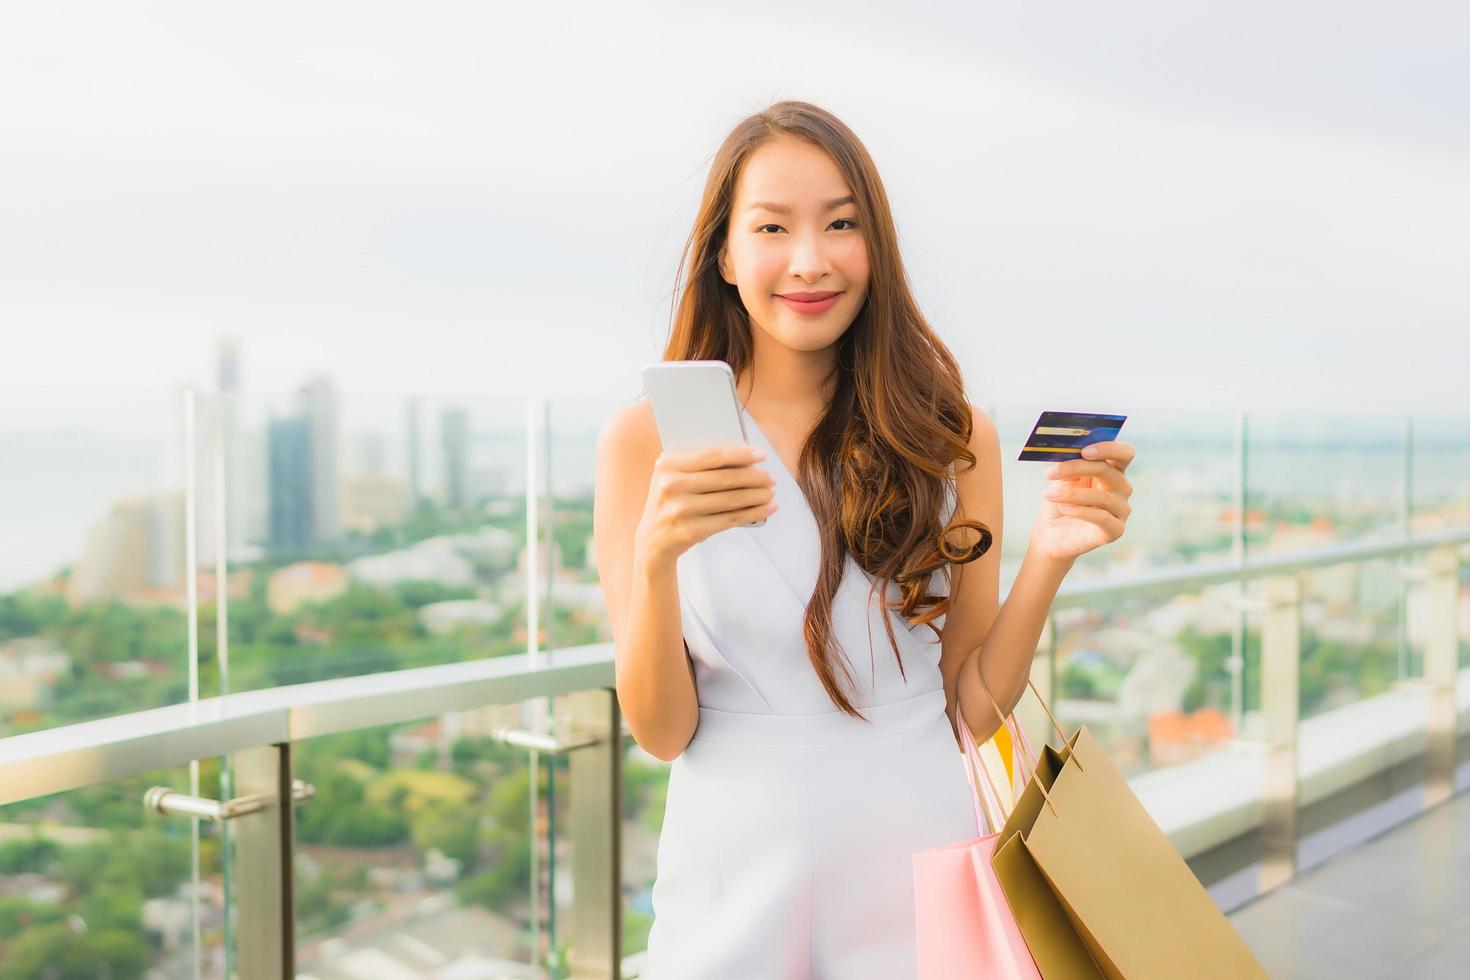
[{"x": 876, "y": 466}]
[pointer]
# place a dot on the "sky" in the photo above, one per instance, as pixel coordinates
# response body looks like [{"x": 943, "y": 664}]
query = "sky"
[{"x": 1102, "y": 207}]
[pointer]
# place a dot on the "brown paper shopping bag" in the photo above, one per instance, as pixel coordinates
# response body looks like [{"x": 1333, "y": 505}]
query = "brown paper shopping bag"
[{"x": 1096, "y": 887}]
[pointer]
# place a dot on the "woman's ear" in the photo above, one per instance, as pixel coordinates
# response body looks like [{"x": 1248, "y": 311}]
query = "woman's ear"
[{"x": 725, "y": 265}]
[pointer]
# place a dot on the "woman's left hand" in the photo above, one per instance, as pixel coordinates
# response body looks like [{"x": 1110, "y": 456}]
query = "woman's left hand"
[{"x": 1085, "y": 504}]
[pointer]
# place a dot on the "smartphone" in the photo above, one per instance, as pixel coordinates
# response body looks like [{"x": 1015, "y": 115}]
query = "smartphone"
[{"x": 695, "y": 406}]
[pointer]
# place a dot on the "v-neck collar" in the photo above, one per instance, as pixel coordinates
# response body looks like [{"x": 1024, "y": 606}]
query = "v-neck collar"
[
  {"x": 775, "y": 456},
  {"x": 803, "y": 584}
]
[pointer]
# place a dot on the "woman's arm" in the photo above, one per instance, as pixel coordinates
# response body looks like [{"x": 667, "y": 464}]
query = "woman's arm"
[
  {"x": 1002, "y": 663},
  {"x": 1085, "y": 507},
  {"x": 653, "y": 674}
]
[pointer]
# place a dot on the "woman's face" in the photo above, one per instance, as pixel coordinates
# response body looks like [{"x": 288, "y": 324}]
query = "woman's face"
[{"x": 794, "y": 230}]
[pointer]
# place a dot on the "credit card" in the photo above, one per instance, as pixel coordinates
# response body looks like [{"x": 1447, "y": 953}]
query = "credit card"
[{"x": 1061, "y": 435}]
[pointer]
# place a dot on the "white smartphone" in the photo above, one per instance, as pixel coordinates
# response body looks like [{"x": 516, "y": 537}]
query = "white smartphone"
[{"x": 695, "y": 406}]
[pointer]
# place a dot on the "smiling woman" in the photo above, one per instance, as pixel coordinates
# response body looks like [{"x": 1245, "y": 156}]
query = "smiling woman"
[
  {"x": 800, "y": 791},
  {"x": 799, "y": 285},
  {"x": 801, "y": 788}
]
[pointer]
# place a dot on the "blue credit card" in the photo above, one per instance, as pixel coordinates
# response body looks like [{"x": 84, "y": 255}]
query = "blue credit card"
[{"x": 1061, "y": 435}]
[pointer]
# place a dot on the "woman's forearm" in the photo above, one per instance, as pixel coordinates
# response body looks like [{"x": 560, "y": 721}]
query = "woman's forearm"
[{"x": 1003, "y": 661}]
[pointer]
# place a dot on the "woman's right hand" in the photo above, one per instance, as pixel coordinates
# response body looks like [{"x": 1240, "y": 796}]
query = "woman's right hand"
[{"x": 693, "y": 495}]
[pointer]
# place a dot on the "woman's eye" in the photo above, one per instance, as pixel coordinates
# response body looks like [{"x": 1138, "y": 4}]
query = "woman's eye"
[{"x": 839, "y": 221}]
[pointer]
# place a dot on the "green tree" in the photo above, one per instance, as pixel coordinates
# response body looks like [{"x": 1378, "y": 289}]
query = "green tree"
[
  {"x": 19, "y": 914},
  {"x": 415, "y": 593},
  {"x": 126, "y": 954},
  {"x": 37, "y": 855},
  {"x": 51, "y": 952},
  {"x": 162, "y": 862},
  {"x": 453, "y": 829},
  {"x": 1210, "y": 653},
  {"x": 340, "y": 815},
  {"x": 509, "y": 873}
]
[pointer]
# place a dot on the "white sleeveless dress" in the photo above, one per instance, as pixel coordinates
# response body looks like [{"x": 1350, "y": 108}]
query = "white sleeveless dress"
[{"x": 790, "y": 827}]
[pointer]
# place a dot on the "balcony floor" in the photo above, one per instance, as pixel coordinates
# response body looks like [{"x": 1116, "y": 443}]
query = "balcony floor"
[{"x": 1394, "y": 906}]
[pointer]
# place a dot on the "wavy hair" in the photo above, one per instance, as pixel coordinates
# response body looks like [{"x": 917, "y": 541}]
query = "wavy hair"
[{"x": 876, "y": 468}]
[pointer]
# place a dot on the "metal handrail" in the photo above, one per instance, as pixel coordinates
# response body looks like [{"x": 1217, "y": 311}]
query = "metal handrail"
[
  {"x": 49, "y": 761},
  {"x": 1191, "y": 578}
]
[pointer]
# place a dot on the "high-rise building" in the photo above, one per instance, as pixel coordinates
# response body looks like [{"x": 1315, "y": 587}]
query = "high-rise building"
[
  {"x": 219, "y": 485},
  {"x": 454, "y": 431},
  {"x": 370, "y": 500},
  {"x": 369, "y": 453},
  {"x": 227, "y": 364},
  {"x": 253, "y": 500},
  {"x": 292, "y": 494},
  {"x": 138, "y": 545},
  {"x": 243, "y": 486},
  {"x": 412, "y": 424},
  {"x": 319, "y": 407}
]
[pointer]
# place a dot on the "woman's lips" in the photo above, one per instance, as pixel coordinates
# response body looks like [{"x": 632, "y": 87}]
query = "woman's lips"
[{"x": 811, "y": 307}]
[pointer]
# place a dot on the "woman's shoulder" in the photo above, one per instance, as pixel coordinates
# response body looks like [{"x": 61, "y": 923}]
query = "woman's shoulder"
[{"x": 630, "y": 436}]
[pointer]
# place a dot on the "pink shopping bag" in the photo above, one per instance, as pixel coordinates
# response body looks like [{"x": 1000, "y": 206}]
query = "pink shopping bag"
[{"x": 965, "y": 927}]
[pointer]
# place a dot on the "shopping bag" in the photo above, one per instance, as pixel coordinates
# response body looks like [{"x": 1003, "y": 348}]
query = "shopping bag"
[
  {"x": 964, "y": 927},
  {"x": 995, "y": 763},
  {"x": 1005, "y": 749},
  {"x": 1095, "y": 886}
]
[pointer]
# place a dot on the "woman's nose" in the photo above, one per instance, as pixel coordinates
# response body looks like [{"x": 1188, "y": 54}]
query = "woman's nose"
[{"x": 808, "y": 257}]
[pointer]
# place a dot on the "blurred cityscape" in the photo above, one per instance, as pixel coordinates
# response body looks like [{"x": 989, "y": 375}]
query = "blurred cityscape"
[{"x": 362, "y": 534}]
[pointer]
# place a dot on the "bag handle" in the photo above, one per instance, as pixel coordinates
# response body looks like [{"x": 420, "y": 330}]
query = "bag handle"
[
  {"x": 1019, "y": 737},
  {"x": 1024, "y": 742},
  {"x": 989, "y": 812}
]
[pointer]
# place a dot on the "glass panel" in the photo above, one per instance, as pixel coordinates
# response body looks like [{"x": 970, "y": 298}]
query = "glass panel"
[
  {"x": 645, "y": 789},
  {"x": 1440, "y": 475},
  {"x": 375, "y": 533},
  {"x": 1350, "y": 634},
  {"x": 1440, "y": 471},
  {"x": 92, "y": 884},
  {"x": 577, "y": 614},
  {"x": 1313, "y": 480},
  {"x": 92, "y": 573},
  {"x": 414, "y": 858},
  {"x": 1152, "y": 679}
]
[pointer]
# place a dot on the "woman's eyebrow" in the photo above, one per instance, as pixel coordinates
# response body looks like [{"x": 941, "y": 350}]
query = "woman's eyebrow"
[{"x": 786, "y": 208}]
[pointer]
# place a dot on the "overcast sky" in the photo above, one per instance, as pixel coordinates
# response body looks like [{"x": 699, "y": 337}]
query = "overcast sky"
[{"x": 1105, "y": 207}]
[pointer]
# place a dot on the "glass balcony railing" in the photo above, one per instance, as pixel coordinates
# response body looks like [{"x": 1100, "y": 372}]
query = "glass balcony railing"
[
  {"x": 89, "y": 883},
  {"x": 386, "y": 610},
  {"x": 93, "y": 489}
]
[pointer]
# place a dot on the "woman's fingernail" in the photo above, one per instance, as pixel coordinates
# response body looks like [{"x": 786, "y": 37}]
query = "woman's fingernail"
[
  {"x": 1090, "y": 452},
  {"x": 758, "y": 453}
]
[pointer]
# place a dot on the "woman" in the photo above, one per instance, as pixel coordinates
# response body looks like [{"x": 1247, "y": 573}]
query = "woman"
[{"x": 800, "y": 787}]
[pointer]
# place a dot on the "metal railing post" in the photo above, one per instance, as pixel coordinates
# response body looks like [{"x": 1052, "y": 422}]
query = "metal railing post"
[
  {"x": 1281, "y": 650},
  {"x": 265, "y": 842},
  {"x": 596, "y": 780},
  {"x": 1441, "y": 655}
]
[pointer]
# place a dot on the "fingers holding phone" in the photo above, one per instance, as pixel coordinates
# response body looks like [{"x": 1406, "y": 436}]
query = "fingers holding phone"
[
  {"x": 706, "y": 479},
  {"x": 695, "y": 494}
]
